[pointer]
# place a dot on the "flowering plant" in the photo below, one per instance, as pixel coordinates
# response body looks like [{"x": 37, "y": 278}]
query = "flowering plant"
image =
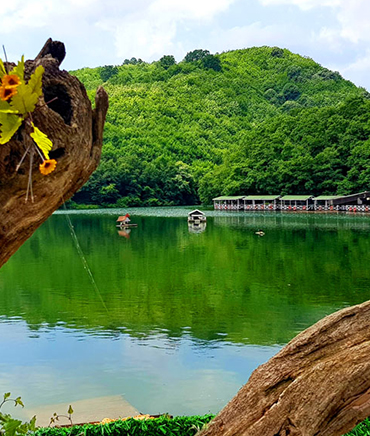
[{"x": 18, "y": 100}]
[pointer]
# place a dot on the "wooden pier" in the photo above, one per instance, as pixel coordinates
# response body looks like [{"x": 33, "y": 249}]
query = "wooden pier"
[{"x": 359, "y": 202}]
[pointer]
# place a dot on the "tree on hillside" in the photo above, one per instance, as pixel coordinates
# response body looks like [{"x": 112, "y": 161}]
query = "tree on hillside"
[
  {"x": 107, "y": 72},
  {"x": 196, "y": 55},
  {"x": 254, "y": 119},
  {"x": 167, "y": 61},
  {"x": 132, "y": 61},
  {"x": 211, "y": 62},
  {"x": 277, "y": 52},
  {"x": 291, "y": 91}
]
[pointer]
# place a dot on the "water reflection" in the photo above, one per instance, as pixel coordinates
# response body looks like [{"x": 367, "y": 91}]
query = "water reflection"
[
  {"x": 178, "y": 321},
  {"x": 154, "y": 373},
  {"x": 197, "y": 227},
  {"x": 125, "y": 233},
  {"x": 227, "y": 280}
]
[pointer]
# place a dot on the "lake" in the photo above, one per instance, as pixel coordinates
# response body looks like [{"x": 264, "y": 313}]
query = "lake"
[{"x": 177, "y": 320}]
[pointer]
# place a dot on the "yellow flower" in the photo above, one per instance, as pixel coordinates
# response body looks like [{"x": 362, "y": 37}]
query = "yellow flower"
[
  {"x": 8, "y": 87},
  {"x": 7, "y": 92},
  {"x": 48, "y": 166},
  {"x": 10, "y": 80}
]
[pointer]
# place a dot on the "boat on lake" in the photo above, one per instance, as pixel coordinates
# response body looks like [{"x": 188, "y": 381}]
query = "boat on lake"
[{"x": 196, "y": 217}]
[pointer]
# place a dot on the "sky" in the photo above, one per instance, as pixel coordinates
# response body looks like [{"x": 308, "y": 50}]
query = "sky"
[{"x": 334, "y": 33}]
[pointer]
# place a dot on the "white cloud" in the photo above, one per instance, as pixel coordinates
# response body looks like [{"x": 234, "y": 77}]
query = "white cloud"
[
  {"x": 303, "y": 4},
  {"x": 358, "y": 71},
  {"x": 144, "y": 39},
  {"x": 330, "y": 38},
  {"x": 256, "y": 34},
  {"x": 27, "y": 14},
  {"x": 151, "y": 32},
  {"x": 98, "y": 32},
  {"x": 354, "y": 18},
  {"x": 189, "y": 9}
]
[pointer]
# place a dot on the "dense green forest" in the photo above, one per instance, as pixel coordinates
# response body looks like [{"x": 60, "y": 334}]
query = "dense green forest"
[{"x": 259, "y": 120}]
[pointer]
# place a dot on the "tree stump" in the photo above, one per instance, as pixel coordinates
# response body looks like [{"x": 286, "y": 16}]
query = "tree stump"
[
  {"x": 76, "y": 131},
  {"x": 317, "y": 385}
]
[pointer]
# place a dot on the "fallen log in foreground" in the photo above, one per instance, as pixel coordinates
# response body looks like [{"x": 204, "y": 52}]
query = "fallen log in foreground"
[{"x": 318, "y": 384}]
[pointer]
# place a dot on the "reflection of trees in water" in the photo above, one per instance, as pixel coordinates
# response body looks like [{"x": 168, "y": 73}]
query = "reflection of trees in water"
[
  {"x": 291, "y": 220},
  {"x": 226, "y": 284}
]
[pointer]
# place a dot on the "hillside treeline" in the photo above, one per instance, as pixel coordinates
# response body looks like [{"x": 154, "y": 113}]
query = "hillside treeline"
[{"x": 259, "y": 120}]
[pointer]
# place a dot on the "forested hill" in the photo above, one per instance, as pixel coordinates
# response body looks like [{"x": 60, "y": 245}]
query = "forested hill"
[{"x": 259, "y": 120}]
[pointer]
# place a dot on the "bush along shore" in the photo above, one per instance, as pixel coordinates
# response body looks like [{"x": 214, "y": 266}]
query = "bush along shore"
[{"x": 164, "y": 425}]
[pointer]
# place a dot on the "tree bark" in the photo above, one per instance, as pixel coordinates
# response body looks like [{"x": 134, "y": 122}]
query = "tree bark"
[
  {"x": 76, "y": 131},
  {"x": 318, "y": 384}
]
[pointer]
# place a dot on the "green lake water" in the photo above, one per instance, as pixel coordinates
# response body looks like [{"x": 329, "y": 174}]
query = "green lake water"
[{"x": 179, "y": 319}]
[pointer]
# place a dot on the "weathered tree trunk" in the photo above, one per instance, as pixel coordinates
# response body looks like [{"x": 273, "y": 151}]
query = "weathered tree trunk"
[
  {"x": 76, "y": 132},
  {"x": 318, "y": 384}
]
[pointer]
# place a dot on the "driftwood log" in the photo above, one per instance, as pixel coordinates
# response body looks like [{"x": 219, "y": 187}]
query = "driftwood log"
[
  {"x": 76, "y": 131},
  {"x": 317, "y": 385}
]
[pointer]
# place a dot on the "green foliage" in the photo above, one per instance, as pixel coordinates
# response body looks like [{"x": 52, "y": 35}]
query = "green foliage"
[
  {"x": 55, "y": 418},
  {"x": 132, "y": 61},
  {"x": 14, "y": 111},
  {"x": 14, "y": 427},
  {"x": 290, "y": 91},
  {"x": 167, "y": 61},
  {"x": 178, "y": 426},
  {"x": 277, "y": 52},
  {"x": 107, "y": 72},
  {"x": 28, "y": 94},
  {"x": 212, "y": 62},
  {"x": 259, "y": 120},
  {"x": 362, "y": 429},
  {"x": 10, "y": 123},
  {"x": 196, "y": 55},
  {"x": 19, "y": 69}
]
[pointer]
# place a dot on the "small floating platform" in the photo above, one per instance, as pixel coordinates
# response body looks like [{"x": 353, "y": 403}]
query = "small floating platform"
[
  {"x": 126, "y": 226},
  {"x": 196, "y": 216},
  {"x": 123, "y": 222}
]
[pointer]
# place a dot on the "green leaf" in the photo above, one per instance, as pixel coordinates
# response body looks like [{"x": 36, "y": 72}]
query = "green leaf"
[
  {"x": 70, "y": 410},
  {"x": 24, "y": 101},
  {"x": 28, "y": 94},
  {"x": 11, "y": 425},
  {"x": 19, "y": 402},
  {"x": 4, "y": 106},
  {"x": 2, "y": 69},
  {"x": 7, "y": 395},
  {"x": 19, "y": 69},
  {"x": 32, "y": 424},
  {"x": 9, "y": 125},
  {"x": 43, "y": 142},
  {"x": 35, "y": 82}
]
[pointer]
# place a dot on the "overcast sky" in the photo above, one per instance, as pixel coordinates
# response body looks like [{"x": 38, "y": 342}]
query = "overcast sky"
[{"x": 335, "y": 33}]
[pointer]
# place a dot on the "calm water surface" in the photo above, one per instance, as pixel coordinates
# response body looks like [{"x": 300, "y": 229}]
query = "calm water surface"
[{"x": 179, "y": 319}]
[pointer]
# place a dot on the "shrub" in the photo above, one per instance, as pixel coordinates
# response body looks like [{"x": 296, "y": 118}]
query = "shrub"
[{"x": 178, "y": 426}]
